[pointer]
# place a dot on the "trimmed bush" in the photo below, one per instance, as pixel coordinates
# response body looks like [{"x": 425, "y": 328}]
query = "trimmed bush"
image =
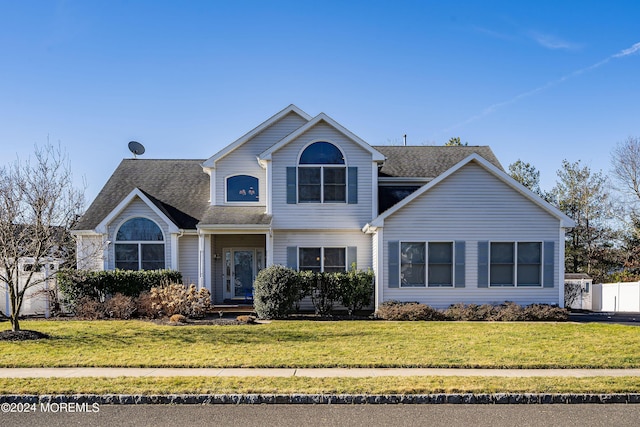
[
  {"x": 470, "y": 312},
  {"x": 355, "y": 289},
  {"x": 120, "y": 307},
  {"x": 279, "y": 290},
  {"x": 90, "y": 309},
  {"x": 506, "y": 312},
  {"x": 396, "y": 310},
  {"x": 144, "y": 305},
  {"x": 545, "y": 312},
  {"x": 275, "y": 291},
  {"x": 324, "y": 292},
  {"x": 98, "y": 285}
]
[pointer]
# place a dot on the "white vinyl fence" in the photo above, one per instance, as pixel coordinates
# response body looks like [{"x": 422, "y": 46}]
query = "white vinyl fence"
[
  {"x": 37, "y": 298},
  {"x": 616, "y": 297}
]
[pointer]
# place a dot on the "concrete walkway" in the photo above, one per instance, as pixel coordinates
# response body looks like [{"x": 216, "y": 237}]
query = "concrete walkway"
[{"x": 307, "y": 372}]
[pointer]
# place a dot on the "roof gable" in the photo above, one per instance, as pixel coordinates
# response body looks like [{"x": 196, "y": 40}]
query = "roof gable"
[
  {"x": 178, "y": 188},
  {"x": 322, "y": 117},
  {"x": 565, "y": 221},
  {"x": 211, "y": 162},
  {"x": 136, "y": 193}
]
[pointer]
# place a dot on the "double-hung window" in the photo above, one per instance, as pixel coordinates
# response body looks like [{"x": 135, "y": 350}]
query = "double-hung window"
[
  {"x": 326, "y": 260},
  {"x": 426, "y": 264},
  {"x": 515, "y": 264},
  {"x": 322, "y": 174}
]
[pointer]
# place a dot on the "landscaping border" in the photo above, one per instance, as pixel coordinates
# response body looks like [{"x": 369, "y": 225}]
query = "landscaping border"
[{"x": 323, "y": 399}]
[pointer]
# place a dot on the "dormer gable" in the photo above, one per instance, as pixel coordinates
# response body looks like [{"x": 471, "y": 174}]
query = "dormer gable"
[
  {"x": 321, "y": 118},
  {"x": 291, "y": 109}
]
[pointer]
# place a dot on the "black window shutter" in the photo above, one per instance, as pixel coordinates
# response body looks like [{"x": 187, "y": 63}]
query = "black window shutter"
[
  {"x": 352, "y": 184},
  {"x": 292, "y": 257},
  {"x": 394, "y": 264},
  {"x": 291, "y": 186},
  {"x": 549, "y": 264},
  {"x": 460, "y": 264},
  {"x": 483, "y": 264}
]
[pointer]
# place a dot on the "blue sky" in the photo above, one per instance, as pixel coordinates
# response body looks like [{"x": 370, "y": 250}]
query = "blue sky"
[{"x": 539, "y": 81}]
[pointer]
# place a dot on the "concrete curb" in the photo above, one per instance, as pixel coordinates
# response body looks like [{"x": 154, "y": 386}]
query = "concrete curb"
[{"x": 86, "y": 400}]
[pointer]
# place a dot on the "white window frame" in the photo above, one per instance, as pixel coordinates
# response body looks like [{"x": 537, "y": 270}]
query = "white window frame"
[
  {"x": 243, "y": 202},
  {"x": 426, "y": 265},
  {"x": 139, "y": 243},
  {"x": 322, "y": 167},
  {"x": 514, "y": 278}
]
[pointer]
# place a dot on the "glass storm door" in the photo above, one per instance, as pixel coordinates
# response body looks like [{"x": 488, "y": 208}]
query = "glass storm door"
[{"x": 241, "y": 268}]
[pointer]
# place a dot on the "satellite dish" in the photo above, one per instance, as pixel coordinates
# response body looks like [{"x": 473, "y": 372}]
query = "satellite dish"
[{"x": 136, "y": 148}]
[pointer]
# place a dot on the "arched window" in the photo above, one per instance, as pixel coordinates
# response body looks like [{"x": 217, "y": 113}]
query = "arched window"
[
  {"x": 139, "y": 245},
  {"x": 242, "y": 188},
  {"x": 322, "y": 174}
]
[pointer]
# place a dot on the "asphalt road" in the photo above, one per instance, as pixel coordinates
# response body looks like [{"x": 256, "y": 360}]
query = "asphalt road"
[
  {"x": 631, "y": 319},
  {"x": 337, "y": 415}
]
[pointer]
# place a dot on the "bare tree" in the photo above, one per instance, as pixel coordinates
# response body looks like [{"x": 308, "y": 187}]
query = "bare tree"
[
  {"x": 625, "y": 168},
  {"x": 38, "y": 204},
  {"x": 625, "y": 162}
]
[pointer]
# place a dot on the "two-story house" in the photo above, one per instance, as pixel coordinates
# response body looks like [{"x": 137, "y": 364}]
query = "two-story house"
[{"x": 437, "y": 224}]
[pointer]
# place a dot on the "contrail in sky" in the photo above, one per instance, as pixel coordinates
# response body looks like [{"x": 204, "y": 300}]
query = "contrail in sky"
[{"x": 625, "y": 52}]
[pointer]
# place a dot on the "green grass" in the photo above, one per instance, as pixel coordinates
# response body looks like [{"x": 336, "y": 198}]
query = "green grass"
[
  {"x": 262, "y": 385},
  {"x": 326, "y": 344}
]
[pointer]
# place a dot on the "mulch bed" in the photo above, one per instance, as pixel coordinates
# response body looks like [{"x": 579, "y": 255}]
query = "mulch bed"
[
  {"x": 22, "y": 335},
  {"x": 222, "y": 321}
]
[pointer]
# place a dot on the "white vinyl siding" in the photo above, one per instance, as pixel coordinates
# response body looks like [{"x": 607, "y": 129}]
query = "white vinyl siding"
[
  {"x": 328, "y": 239},
  {"x": 471, "y": 205},
  {"x": 283, "y": 240},
  {"x": 327, "y": 215},
  {"x": 243, "y": 160},
  {"x": 188, "y": 258},
  {"x": 137, "y": 208}
]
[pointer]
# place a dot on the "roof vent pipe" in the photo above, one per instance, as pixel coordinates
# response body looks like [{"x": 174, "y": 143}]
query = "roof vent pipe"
[{"x": 405, "y": 139}]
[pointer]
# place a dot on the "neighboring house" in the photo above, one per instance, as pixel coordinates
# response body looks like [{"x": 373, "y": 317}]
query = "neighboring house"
[{"x": 438, "y": 225}]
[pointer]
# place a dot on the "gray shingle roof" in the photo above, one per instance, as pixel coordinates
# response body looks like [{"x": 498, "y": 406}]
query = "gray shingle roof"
[
  {"x": 427, "y": 161},
  {"x": 236, "y": 215},
  {"x": 179, "y": 188}
]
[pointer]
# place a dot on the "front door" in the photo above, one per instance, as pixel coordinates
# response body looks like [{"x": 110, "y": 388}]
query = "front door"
[{"x": 241, "y": 267}]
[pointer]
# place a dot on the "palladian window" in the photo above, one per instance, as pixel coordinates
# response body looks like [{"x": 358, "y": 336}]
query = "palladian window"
[{"x": 139, "y": 245}]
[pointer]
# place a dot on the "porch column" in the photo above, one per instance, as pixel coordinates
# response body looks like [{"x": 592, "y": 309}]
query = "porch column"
[
  {"x": 269, "y": 248},
  {"x": 201, "y": 272},
  {"x": 207, "y": 264},
  {"x": 174, "y": 251},
  {"x": 379, "y": 268}
]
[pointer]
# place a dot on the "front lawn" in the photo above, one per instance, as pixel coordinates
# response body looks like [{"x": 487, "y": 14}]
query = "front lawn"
[
  {"x": 326, "y": 344},
  {"x": 289, "y": 385}
]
